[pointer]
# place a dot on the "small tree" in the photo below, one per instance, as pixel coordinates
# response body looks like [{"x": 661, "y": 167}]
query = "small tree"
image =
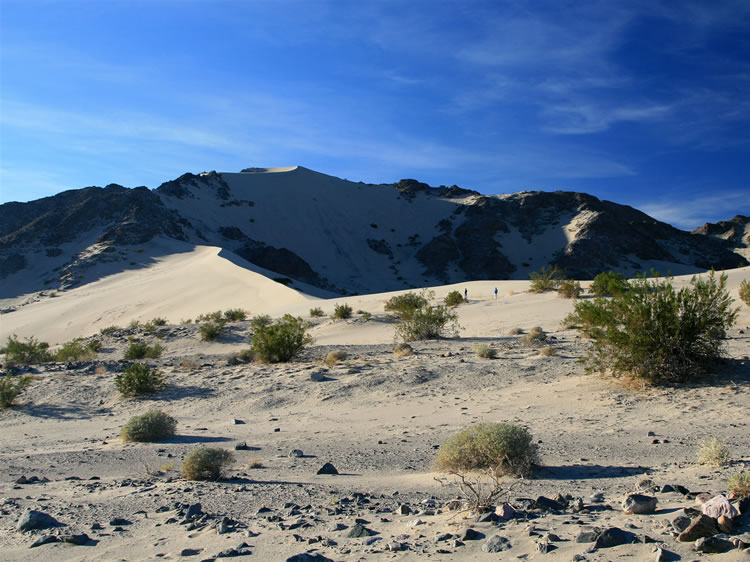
[
  {"x": 280, "y": 341},
  {"x": 546, "y": 279},
  {"x": 656, "y": 333}
]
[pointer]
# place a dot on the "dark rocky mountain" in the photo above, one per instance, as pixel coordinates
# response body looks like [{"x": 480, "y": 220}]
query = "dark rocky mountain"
[{"x": 347, "y": 237}]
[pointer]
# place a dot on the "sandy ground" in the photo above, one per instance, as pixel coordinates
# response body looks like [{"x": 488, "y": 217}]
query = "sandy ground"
[{"x": 378, "y": 418}]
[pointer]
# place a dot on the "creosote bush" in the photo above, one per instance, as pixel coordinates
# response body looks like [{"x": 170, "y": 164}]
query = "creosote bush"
[
  {"x": 109, "y": 330},
  {"x": 76, "y": 350},
  {"x": 504, "y": 448},
  {"x": 139, "y": 380},
  {"x": 404, "y": 305},
  {"x": 454, "y": 298},
  {"x": 216, "y": 316},
  {"x": 205, "y": 463},
  {"x": 608, "y": 284},
  {"x": 211, "y": 331},
  {"x": 316, "y": 312},
  {"x": 546, "y": 279},
  {"x": 655, "y": 333},
  {"x": 714, "y": 452},
  {"x": 235, "y": 315},
  {"x": 745, "y": 292},
  {"x": 11, "y": 386},
  {"x": 428, "y": 322},
  {"x": 739, "y": 485},
  {"x": 30, "y": 352},
  {"x": 336, "y": 356},
  {"x": 342, "y": 311},
  {"x": 569, "y": 289},
  {"x": 536, "y": 336},
  {"x": 244, "y": 356},
  {"x": 154, "y": 425},
  {"x": 484, "y": 351},
  {"x": 141, "y": 350},
  {"x": 280, "y": 341}
]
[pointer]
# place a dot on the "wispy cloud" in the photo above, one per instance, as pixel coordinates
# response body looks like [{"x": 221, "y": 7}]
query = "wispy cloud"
[{"x": 691, "y": 212}]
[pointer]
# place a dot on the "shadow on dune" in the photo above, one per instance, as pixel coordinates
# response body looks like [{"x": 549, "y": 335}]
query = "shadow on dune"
[
  {"x": 586, "y": 471},
  {"x": 50, "y": 411},
  {"x": 196, "y": 439}
]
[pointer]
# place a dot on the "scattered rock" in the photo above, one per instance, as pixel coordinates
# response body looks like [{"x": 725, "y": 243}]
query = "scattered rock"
[
  {"x": 725, "y": 524},
  {"x": 718, "y": 506},
  {"x": 241, "y": 446},
  {"x": 703, "y": 526},
  {"x": 45, "y": 539},
  {"x": 119, "y": 522},
  {"x": 309, "y": 557},
  {"x": 327, "y": 468},
  {"x": 471, "y": 535},
  {"x": 638, "y": 504},
  {"x": 190, "y": 551},
  {"x": 78, "y": 540},
  {"x": 713, "y": 545},
  {"x": 546, "y": 504},
  {"x": 496, "y": 543},
  {"x": 317, "y": 376},
  {"x": 296, "y": 453},
  {"x": 404, "y": 509},
  {"x": 394, "y": 546},
  {"x": 359, "y": 531},
  {"x": 681, "y": 522},
  {"x": 505, "y": 511},
  {"x": 613, "y": 537},
  {"x": 588, "y": 535},
  {"x": 195, "y": 510},
  {"x": 32, "y": 519}
]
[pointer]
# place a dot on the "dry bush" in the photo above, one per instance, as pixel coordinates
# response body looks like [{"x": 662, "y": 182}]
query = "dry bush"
[
  {"x": 569, "y": 289},
  {"x": 739, "y": 485},
  {"x": 76, "y": 350},
  {"x": 504, "y": 448},
  {"x": 11, "y": 386},
  {"x": 342, "y": 311},
  {"x": 484, "y": 351},
  {"x": 109, "y": 330},
  {"x": 154, "y": 425},
  {"x": 235, "y": 315},
  {"x": 427, "y": 322},
  {"x": 336, "y": 356},
  {"x": 454, "y": 298},
  {"x": 317, "y": 312},
  {"x": 480, "y": 490},
  {"x": 403, "y": 350},
  {"x": 139, "y": 380},
  {"x": 515, "y": 332},
  {"x": 365, "y": 315},
  {"x": 211, "y": 331},
  {"x": 548, "y": 351},
  {"x": 205, "y": 463},
  {"x": 189, "y": 364},
  {"x": 215, "y": 316},
  {"x": 244, "y": 356},
  {"x": 546, "y": 279},
  {"x": 714, "y": 452},
  {"x": 536, "y": 336},
  {"x": 745, "y": 292}
]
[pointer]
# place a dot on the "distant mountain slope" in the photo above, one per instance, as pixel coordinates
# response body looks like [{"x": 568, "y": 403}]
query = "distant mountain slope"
[{"x": 341, "y": 236}]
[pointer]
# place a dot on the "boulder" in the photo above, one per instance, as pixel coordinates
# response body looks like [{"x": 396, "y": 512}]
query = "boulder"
[
  {"x": 713, "y": 545},
  {"x": 639, "y": 504},
  {"x": 702, "y": 526},
  {"x": 718, "y": 506},
  {"x": 32, "y": 519},
  {"x": 496, "y": 543}
]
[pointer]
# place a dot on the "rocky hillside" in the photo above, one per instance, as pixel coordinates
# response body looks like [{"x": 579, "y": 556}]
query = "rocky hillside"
[{"x": 298, "y": 225}]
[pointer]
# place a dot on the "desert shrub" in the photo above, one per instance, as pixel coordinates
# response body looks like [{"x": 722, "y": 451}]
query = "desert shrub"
[
  {"x": 30, "y": 352},
  {"x": 365, "y": 315},
  {"x": 139, "y": 380},
  {"x": 342, "y": 311},
  {"x": 11, "y": 386},
  {"x": 205, "y": 463},
  {"x": 235, "y": 315},
  {"x": 569, "y": 289},
  {"x": 655, "y": 333},
  {"x": 428, "y": 322},
  {"x": 151, "y": 325},
  {"x": 745, "y": 292},
  {"x": 502, "y": 447},
  {"x": 546, "y": 279},
  {"x": 404, "y": 305},
  {"x": 215, "y": 316},
  {"x": 608, "y": 284},
  {"x": 154, "y": 425},
  {"x": 76, "y": 350},
  {"x": 282, "y": 340},
  {"x": 260, "y": 322},
  {"x": 109, "y": 330},
  {"x": 535, "y": 336},
  {"x": 244, "y": 356},
  {"x": 515, "y": 332},
  {"x": 548, "y": 351},
  {"x": 135, "y": 325},
  {"x": 713, "y": 451},
  {"x": 211, "y": 331},
  {"x": 454, "y": 298},
  {"x": 739, "y": 485},
  {"x": 141, "y": 350},
  {"x": 336, "y": 356},
  {"x": 403, "y": 349},
  {"x": 484, "y": 351},
  {"x": 316, "y": 312}
]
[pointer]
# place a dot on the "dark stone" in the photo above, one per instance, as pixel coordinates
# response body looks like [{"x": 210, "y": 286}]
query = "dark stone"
[
  {"x": 639, "y": 504},
  {"x": 46, "y": 539},
  {"x": 193, "y": 511},
  {"x": 190, "y": 551},
  {"x": 327, "y": 468},
  {"x": 702, "y": 526},
  {"x": 545, "y": 547},
  {"x": 471, "y": 535},
  {"x": 588, "y": 535},
  {"x": 32, "y": 519},
  {"x": 309, "y": 557},
  {"x": 78, "y": 540},
  {"x": 546, "y": 504},
  {"x": 681, "y": 522},
  {"x": 496, "y": 543},
  {"x": 119, "y": 521},
  {"x": 713, "y": 545},
  {"x": 358, "y": 531},
  {"x": 613, "y": 537}
]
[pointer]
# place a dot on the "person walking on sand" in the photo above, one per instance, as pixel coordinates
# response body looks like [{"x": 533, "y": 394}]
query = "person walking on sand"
[
  {"x": 495, "y": 293},
  {"x": 466, "y": 295}
]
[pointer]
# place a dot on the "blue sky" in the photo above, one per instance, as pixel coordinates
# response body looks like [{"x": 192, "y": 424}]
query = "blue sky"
[{"x": 642, "y": 103}]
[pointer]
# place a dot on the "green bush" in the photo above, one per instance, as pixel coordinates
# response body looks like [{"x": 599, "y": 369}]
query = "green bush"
[
  {"x": 656, "y": 333},
  {"x": 205, "y": 463},
  {"x": 109, "y": 330},
  {"x": 503, "y": 448},
  {"x": 404, "y": 305},
  {"x": 151, "y": 325},
  {"x": 608, "y": 284},
  {"x": 260, "y": 322},
  {"x": 11, "y": 386},
  {"x": 739, "y": 485},
  {"x": 75, "y": 350},
  {"x": 235, "y": 315},
  {"x": 428, "y": 322},
  {"x": 244, "y": 356},
  {"x": 454, "y": 298},
  {"x": 484, "y": 351},
  {"x": 154, "y": 425},
  {"x": 365, "y": 315},
  {"x": 342, "y": 311},
  {"x": 139, "y": 380},
  {"x": 215, "y": 316},
  {"x": 546, "y": 279},
  {"x": 282, "y": 340},
  {"x": 211, "y": 331},
  {"x": 316, "y": 312},
  {"x": 141, "y": 350},
  {"x": 30, "y": 352},
  {"x": 745, "y": 292},
  {"x": 569, "y": 289},
  {"x": 536, "y": 336}
]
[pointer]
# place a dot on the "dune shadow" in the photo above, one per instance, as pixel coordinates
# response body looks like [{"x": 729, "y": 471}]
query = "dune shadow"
[
  {"x": 588, "y": 471},
  {"x": 197, "y": 439},
  {"x": 178, "y": 392},
  {"x": 50, "y": 411}
]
